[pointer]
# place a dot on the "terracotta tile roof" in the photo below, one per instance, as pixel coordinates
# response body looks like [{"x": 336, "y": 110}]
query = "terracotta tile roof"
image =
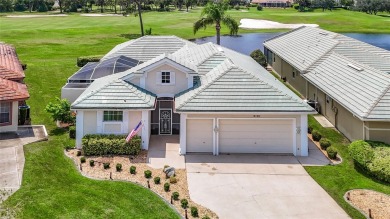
[
  {"x": 11, "y": 90},
  {"x": 10, "y": 67}
]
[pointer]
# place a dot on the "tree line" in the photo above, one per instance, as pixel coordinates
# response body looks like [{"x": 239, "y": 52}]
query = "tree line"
[
  {"x": 368, "y": 6},
  {"x": 116, "y": 6}
]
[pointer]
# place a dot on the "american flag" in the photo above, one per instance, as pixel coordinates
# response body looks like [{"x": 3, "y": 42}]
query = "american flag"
[{"x": 134, "y": 131}]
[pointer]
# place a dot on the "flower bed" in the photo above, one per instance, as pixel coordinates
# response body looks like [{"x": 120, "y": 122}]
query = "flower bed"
[
  {"x": 139, "y": 162},
  {"x": 338, "y": 159}
]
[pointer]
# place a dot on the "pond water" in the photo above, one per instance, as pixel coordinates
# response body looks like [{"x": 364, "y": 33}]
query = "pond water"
[{"x": 246, "y": 43}]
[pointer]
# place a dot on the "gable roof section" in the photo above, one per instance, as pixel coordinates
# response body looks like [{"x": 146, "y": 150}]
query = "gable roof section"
[
  {"x": 148, "y": 47},
  {"x": 111, "y": 92},
  {"x": 12, "y": 91},
  {"x": 354, "y": 73},
  {"x": 227, "y": 88},
  {"x": 10, "y": 67},
  {"x": 303, "y": 46},
  {"x": 348, "y": 86}
]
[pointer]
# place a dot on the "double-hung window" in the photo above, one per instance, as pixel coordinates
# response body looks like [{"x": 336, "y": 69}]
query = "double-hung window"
[
  {"x": 113, "y": 116},
  {"x": 5, "y": 112}
]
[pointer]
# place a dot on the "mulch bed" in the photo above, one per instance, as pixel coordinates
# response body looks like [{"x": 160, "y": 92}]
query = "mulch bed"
[
  {"x": 338, "y": 159},
  {"x": 139, "y": 161},
  {"x": 363, "y": 200}
]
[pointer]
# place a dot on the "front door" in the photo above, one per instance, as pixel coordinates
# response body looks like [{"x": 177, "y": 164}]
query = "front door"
[{"x": 165, "y": 121}]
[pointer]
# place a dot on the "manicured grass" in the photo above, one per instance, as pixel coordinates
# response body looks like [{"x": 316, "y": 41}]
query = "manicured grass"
[
  {"x": 337, "y": 180},
  {"x": 49, "y": 46},
  {"x": 53, "y": 188}
]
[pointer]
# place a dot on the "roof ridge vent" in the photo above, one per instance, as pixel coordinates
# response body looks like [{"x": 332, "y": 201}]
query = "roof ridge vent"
[
  {"x": 355, "y": 67},
  {"x": 324, "y": 33}
]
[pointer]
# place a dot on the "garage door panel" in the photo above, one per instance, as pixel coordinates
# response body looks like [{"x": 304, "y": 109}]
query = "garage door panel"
[
  {"x": 255, "y": 136},
  {"x": 200, "y": 135}
]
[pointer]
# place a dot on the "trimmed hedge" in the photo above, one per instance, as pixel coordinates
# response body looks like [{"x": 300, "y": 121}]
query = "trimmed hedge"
[
  {"x": 83, "y": 60},
  {"x": 316, "y": 135},
  {"x": 325, "y": 143},
  {"x": 98, "y": 145},
  {"x": 373, "y": 157},
  {"x": 332, "y": 152}
]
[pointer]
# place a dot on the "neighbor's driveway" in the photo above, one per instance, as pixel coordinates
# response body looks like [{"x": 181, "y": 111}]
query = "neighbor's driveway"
[{"x": 257, "y": 186}]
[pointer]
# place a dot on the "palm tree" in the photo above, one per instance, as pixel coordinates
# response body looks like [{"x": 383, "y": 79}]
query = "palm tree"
[{"x": 214, "y": 13}]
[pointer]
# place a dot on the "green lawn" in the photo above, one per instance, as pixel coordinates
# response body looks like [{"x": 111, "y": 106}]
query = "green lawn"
[
  {"x": 49, "y": 46},
  {"x": 337, "y": 180}
]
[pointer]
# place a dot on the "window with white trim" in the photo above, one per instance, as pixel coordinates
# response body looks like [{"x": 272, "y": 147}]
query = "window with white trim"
[
  {"x": 5, "y": 112},
  {"x": 165, "y": 77},
  {"x": 112, "y": 116}
]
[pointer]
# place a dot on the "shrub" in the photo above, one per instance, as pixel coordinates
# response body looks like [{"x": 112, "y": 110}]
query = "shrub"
[
  {"x": 237, "y": 7},
  {"x": 72, "y": 132},
  {"x": 194, "y": 212},
  {"x": 98, "y": 145},
  {"x": 175, "y": 196},
  {"x": 83, "y": 60},
  {"x": 325, "y": 143},
  {"x": 206, "y": 217},
  {"x": 106, "y": 165},
  {"x": 42, "y": 7},
  {"x": 148, "y": 31},
  {"x": 259, "y": 57},
  {"x": 132, "y": 169},
  {"x": 332, "y": 152},
  {"x": 309, "y": 129},
  {"x": 91, "y": 163},
  {"x": 60, "y": 111},
  {"x": 20, "y": 6},
  {"x": 172, "y": 180},
  {"x": 372, "y": 157},
  {"x": 361, "y": 152},
  {"x": 82, "y": 159},
  {"x": 148, "y": 174},
  {"x": 184, "y": 203},
  {"x": 166, "y": 187},
  {"x": 316, "y": 135},
  {"x": 156, "y": 180},
  {"x": 259, "y": 7},
  {"x": 118, "y": 167},
  {"x": 78, "y": 153}
]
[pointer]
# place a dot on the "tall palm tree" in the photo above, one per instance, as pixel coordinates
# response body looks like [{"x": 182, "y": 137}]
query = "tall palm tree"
[{"x": 214, "y": 13}]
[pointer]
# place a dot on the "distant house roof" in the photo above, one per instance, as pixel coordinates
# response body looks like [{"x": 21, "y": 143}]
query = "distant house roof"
[
  {"x": 229, "y": 82},
  {"x": 355, "y": 74},
  {"x": 10, "y": 67},
  {"x": 12, "y": 91}
]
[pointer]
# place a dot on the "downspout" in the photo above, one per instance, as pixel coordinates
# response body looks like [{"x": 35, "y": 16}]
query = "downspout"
[{"x": 364, "y": 130}]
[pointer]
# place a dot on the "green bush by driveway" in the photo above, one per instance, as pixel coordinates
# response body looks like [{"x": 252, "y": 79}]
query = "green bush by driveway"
[{"x": 373, "y": 157}]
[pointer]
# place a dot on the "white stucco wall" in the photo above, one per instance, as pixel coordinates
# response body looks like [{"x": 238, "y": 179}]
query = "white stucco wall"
[{"x": 153, "y": 81}]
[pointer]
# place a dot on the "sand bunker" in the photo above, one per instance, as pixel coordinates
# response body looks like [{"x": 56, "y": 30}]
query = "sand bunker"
[
  {"x": 265, "y": 24},
  {"x": 100, "y": 15}
]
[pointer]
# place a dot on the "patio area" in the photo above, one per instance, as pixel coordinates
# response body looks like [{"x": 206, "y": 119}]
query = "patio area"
[{"x": 164, "y": 150}]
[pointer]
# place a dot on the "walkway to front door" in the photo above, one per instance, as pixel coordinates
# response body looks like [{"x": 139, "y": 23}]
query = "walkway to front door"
[{"x": 164, "y": 150}]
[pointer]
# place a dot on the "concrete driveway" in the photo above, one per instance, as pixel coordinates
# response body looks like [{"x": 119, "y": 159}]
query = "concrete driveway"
[
  {"x": 257, "y": 186},
  {"x": 12, "y": 157}
]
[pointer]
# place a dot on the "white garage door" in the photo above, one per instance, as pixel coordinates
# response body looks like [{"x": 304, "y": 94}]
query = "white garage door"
[
  {"x": 255, "y": 136},
  {"x": 200, "y": 135}
]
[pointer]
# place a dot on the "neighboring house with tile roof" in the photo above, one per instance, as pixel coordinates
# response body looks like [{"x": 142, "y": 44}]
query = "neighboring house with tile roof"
[
  {"x": 13, "y": 92},
  {"x": 349, "y": 79},
  {"x": 217, "y": 100}
]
